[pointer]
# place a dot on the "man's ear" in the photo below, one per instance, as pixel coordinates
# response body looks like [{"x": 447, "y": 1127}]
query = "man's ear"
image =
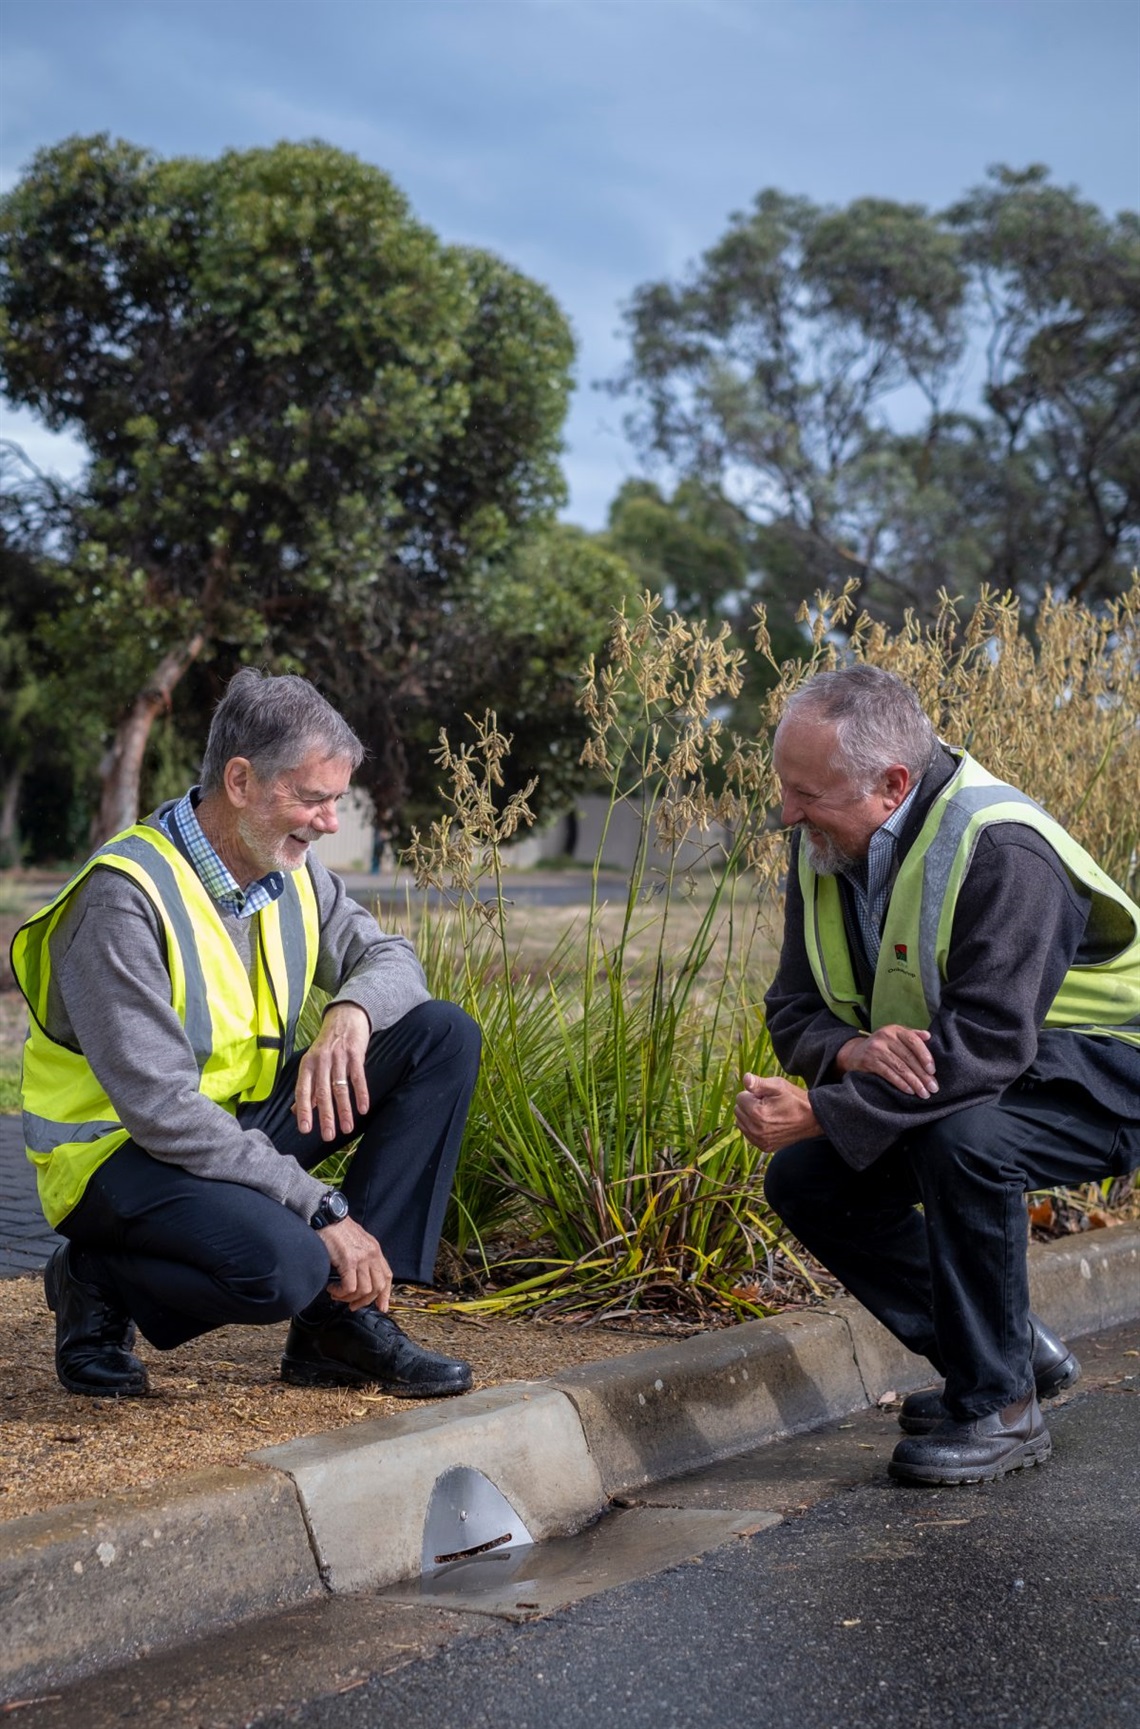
[
  {"x": 237, "y": 779},
  {"x": 896, "y": 784}
]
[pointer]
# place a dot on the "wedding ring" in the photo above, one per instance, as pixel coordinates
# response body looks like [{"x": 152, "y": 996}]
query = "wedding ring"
[{"x": 340, "y": 1083}]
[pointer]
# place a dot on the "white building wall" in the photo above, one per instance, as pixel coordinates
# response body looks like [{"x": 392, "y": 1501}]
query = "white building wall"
[{"x": 350, "y": 848}]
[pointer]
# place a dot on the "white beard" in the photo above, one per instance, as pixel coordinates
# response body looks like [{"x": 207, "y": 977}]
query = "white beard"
[{"x": 822, "y": 854}]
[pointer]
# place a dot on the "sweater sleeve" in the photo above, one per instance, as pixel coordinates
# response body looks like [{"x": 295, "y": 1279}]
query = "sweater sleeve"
[
  {"x": 1018, "y": 926},
  {"x": 111, "y": 999},
  {"x": 358, "y": 962}
]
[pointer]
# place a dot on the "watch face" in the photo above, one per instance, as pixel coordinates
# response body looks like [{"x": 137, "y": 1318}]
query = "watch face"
[{"x": 332, "y": 1209}]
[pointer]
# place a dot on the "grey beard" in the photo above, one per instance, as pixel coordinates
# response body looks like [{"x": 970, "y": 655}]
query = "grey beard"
[{"x": 824, "y": 857}]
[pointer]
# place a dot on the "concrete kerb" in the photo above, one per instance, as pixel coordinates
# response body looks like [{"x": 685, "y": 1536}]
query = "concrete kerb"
[{"x": 92, "y": 1585}]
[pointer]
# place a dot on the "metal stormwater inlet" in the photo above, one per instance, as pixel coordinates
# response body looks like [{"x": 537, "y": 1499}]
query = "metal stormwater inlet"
[{"x": 473, "y": 1538}]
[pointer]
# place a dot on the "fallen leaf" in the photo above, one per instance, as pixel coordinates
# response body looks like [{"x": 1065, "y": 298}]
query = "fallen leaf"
[
  {"x": 748, "y": 1292},
  {"x": 885, "y": 1399},
  {"x": 1099, "y": 1220},
  {"x": 1043, "y": 1213}
]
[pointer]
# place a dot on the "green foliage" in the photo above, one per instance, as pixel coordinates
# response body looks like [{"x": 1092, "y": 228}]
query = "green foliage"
[
  {"x": 35, "y": 737},
  {"x": 309, "y": 421},
  {"x": 530, "y": 621},
  {"x": 772, "y": 372},
  {"x": 600, "y": 1145}
]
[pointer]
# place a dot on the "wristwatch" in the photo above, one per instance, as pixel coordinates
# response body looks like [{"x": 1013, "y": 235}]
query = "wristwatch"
[{"x": 332, "y": 1210}]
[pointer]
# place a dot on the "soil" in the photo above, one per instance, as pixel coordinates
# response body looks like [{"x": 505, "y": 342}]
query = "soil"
[{"x": 216, "y": 1400}]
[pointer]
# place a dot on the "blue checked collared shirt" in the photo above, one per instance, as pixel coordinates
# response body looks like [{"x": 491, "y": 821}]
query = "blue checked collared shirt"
[
  {"x": 182, "y": 823},
  {"x": 872, "y": 882}
]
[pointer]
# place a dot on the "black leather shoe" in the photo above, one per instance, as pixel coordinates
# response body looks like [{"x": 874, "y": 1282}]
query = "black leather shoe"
[
  {"x": 1054, "y": 1369},
  {"x": 93, "y": 1335},
  {"x": 330, "y": 1346},
  {"x": 975, "y": 1452}
]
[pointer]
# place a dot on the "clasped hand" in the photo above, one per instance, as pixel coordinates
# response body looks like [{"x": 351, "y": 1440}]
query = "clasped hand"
[
  {"x": 896, "y": 1054},
  {"x": 772, "y": 1113}
]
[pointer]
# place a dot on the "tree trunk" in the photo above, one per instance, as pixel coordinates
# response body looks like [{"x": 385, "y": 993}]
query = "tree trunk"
[
  {"x": 9, "y": 805},
  {"x": 121, "y": 767}
]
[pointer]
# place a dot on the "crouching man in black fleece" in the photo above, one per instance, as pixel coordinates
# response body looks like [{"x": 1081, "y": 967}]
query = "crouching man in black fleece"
[{"x": 959, "y": 985}]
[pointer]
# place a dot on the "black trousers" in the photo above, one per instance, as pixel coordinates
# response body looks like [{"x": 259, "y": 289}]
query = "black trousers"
[
  {"x": 186, "y": 1254},
  {"x": 951, "y": 1281}
]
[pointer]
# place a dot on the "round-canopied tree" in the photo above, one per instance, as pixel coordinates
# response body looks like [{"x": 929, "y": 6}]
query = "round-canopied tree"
[{"x": 308, "y": 419}]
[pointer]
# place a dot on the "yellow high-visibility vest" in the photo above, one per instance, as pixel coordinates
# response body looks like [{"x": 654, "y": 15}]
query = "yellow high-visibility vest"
[
  {"x": 241, "y": 1026},
  {"x": 1101, "y": 998}
]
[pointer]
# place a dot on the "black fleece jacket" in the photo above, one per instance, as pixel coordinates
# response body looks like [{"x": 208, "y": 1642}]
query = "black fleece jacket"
[{"x": 1019, "y": 924}]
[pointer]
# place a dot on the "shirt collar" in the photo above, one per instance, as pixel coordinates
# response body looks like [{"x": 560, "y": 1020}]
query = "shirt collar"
[
  {"x": 181, "y": 823},
  {"x": 884, "y": 839}
]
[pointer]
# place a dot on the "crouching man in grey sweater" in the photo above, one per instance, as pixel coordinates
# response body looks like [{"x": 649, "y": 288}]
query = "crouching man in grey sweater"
[{"x": 171, "y": 1118}]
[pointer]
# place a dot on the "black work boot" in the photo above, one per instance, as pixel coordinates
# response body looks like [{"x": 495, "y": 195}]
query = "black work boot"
[
  {"x": 974, "y": 1452},
  {"x": 331, "y": 1346},
  {"x": 93, "y": 1335},
  {"x": 1054, "y": 1368}
]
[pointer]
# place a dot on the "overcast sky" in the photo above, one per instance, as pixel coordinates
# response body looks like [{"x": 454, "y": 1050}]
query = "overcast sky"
[{"x": 596, "y": 144}]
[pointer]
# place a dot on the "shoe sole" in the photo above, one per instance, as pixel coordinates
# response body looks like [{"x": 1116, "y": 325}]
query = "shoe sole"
[
  {"x": 1056, "y": 1380},
  {"x": 133, "y": 1391},
  {"x": 933, "y": 1476},
  {"x": 316, "y": 1375}
]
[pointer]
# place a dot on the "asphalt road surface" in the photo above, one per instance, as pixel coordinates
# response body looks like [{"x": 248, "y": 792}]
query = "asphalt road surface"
[{"x": 1013, "y": 1605}]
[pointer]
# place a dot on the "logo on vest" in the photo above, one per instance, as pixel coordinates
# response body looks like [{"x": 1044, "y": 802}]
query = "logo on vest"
[{"x": 900, "y": 964}]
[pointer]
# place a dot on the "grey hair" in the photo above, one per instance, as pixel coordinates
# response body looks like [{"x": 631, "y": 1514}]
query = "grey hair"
[
  {"x": 274, "y": 720},
  {"x": 878, "y": 721}
]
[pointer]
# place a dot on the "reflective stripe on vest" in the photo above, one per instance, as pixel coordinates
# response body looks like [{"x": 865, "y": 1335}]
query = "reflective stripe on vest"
[
  {"x": 240, "y": 1026},
  {"x": 1100, "y": 997},
  {"x": 196, "y": 1015},
  {"x": 968, "y": 802}
]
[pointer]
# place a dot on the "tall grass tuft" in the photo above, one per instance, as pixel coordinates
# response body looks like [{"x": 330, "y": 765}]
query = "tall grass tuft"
[{"x": 601, "y": 1135}]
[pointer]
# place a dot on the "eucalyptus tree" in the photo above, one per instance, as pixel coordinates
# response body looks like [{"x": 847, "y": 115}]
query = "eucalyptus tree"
[
  {"x": 919, "y": 400},
  {"x": 307, "y": 419}
]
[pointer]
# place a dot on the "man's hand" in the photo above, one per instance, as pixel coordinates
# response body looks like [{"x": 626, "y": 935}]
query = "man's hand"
[
  {"x": 895, "y": 1054},
  {"x": 331, "y": 1075},
  {"x": 360, "y": 1274},
  {"x": 773, "y": 1113}
]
